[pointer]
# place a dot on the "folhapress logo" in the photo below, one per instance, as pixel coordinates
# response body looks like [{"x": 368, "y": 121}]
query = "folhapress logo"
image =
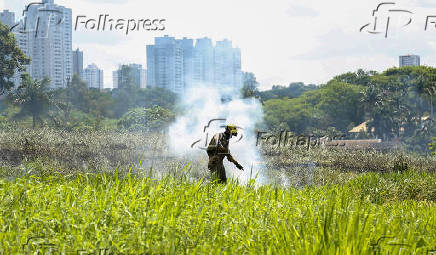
[
  {"x": 105, "y": 23},
  {"x": 39, "y": 18}
]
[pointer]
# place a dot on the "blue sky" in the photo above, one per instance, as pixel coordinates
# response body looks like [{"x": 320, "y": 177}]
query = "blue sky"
[{"x": 281, "y": 41}]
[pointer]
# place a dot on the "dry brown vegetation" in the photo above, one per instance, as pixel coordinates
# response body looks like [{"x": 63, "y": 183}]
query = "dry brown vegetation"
[{"x": 38, "y": 150}]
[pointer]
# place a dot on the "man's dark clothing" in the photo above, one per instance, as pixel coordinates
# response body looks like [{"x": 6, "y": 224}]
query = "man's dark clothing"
[{"x": 217, "y": 150}]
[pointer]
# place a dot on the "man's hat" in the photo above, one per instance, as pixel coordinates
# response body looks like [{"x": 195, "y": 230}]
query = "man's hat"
[{"x": 232, "y": 129}]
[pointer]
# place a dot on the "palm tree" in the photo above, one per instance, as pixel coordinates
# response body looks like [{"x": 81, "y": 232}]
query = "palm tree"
[
  {"x": 34, "y": 97},
  {"x": 372, "y": 100}
]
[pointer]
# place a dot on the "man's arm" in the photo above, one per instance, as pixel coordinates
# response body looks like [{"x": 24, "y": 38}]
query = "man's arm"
[{"x": 233, "y": 160}]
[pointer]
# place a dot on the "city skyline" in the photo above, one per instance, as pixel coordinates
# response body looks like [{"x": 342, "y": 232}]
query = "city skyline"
[
  {"x": 180, "y": 64},
  {"x": 290, "y": 41}
]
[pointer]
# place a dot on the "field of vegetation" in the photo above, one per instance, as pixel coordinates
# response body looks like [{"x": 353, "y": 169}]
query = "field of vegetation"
[{"x": 112, "y": 193}]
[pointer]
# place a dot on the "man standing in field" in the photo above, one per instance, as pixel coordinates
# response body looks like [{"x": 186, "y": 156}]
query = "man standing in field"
[{"x": 218, "y": 149}]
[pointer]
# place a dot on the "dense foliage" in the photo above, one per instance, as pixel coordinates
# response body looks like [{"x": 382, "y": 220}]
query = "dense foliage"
[
  {"x": 293, "y": 90},
  {"x": 12, "y": 59},
  {"x": 395, "y": 104},
  {"x": 79, "y": 107},
  {"x": 34, "y": 98}
]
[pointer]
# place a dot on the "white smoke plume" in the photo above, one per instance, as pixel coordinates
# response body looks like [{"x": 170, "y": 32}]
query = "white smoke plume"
[{"x": 205, "y": 103}]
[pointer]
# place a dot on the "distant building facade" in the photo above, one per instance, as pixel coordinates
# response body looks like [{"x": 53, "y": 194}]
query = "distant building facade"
[
  {"x": 204, "y": 62},
  {"x": 93, "y": 76},
  {"x": 177, "y": 64},
  {"x": 7, "y": 18},
  {"x": 143, "y": 82},
  {"x": 49, "y": 46},
  {"x": 227, "y": 64},
  {"x": 410, "y": 60},
  {"x": 78, "y": 62},
  {"x": 115, "y": 79},
  {"x": 165, "y": 64}
]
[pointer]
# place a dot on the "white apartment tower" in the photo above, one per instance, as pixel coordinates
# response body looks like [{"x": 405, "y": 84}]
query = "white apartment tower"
[
  {"x": 176, "y": 64},
  {"x": 45, "y": 35},
  {"x": 93, "y": 76},
  {"x": 165, "y": 64},
  {"x": 410, "y": 60},
  {"x": 7, "y": 18}
]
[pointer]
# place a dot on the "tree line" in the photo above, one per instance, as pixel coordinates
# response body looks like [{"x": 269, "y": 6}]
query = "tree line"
[{"x": 396, "y": 104}]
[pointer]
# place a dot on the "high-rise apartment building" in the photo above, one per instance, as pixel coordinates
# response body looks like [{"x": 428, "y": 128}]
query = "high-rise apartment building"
[
  {"x": 177, "y": 64},
  {"x": 227, "y": 64},
  {"x": 165, "y": 65},
  {"x": 204, "y": 62},
  {"x": 78, "y": 62},
  {"x": 410, "y": 60},
  {"x": 93, "y": 76},
  {"x": 7, "y": 18},
  {"x": 45, "y": 35}
]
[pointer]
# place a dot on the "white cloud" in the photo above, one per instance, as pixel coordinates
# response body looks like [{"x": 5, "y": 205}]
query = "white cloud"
[
  {"x": 296, "y": 10},
  {"x": 427, "y": 3}
]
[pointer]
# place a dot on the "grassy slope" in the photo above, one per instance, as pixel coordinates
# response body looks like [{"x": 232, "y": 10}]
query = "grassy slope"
[{"x": 372, "y": 213}]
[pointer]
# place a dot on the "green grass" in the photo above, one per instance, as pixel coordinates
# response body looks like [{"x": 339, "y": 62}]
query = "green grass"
[{"x": 371, "y": 214}]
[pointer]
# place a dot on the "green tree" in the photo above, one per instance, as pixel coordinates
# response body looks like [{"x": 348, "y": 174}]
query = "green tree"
[
  {"x": 339, "y": 104},
  {"x": 127, "y": 78},
  {"x": 77, "y": 93},
  {"x": 126, "y": 94},
  {"x": 360, "y": 77},
  {"x": 249, "y": 86},
  {"x": 61, "y": 116},
  {"x": 290, "y": 114},
  {"x": 396, "y": 100},
  {"x": 335, "y": 105},
  {"x": 12, "y": 59},
  {"x": 384, "y": 102},
  {"x": 293, "y": 90},
  {"x": 99, "y": 103},
  {"x": 34, "y": 97},
  {"x": 123, "y": 102},
  {"x": 421, "y": 84},
  {"x": 78, "y": 96},
  {"x": 150, "y": 97}
]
